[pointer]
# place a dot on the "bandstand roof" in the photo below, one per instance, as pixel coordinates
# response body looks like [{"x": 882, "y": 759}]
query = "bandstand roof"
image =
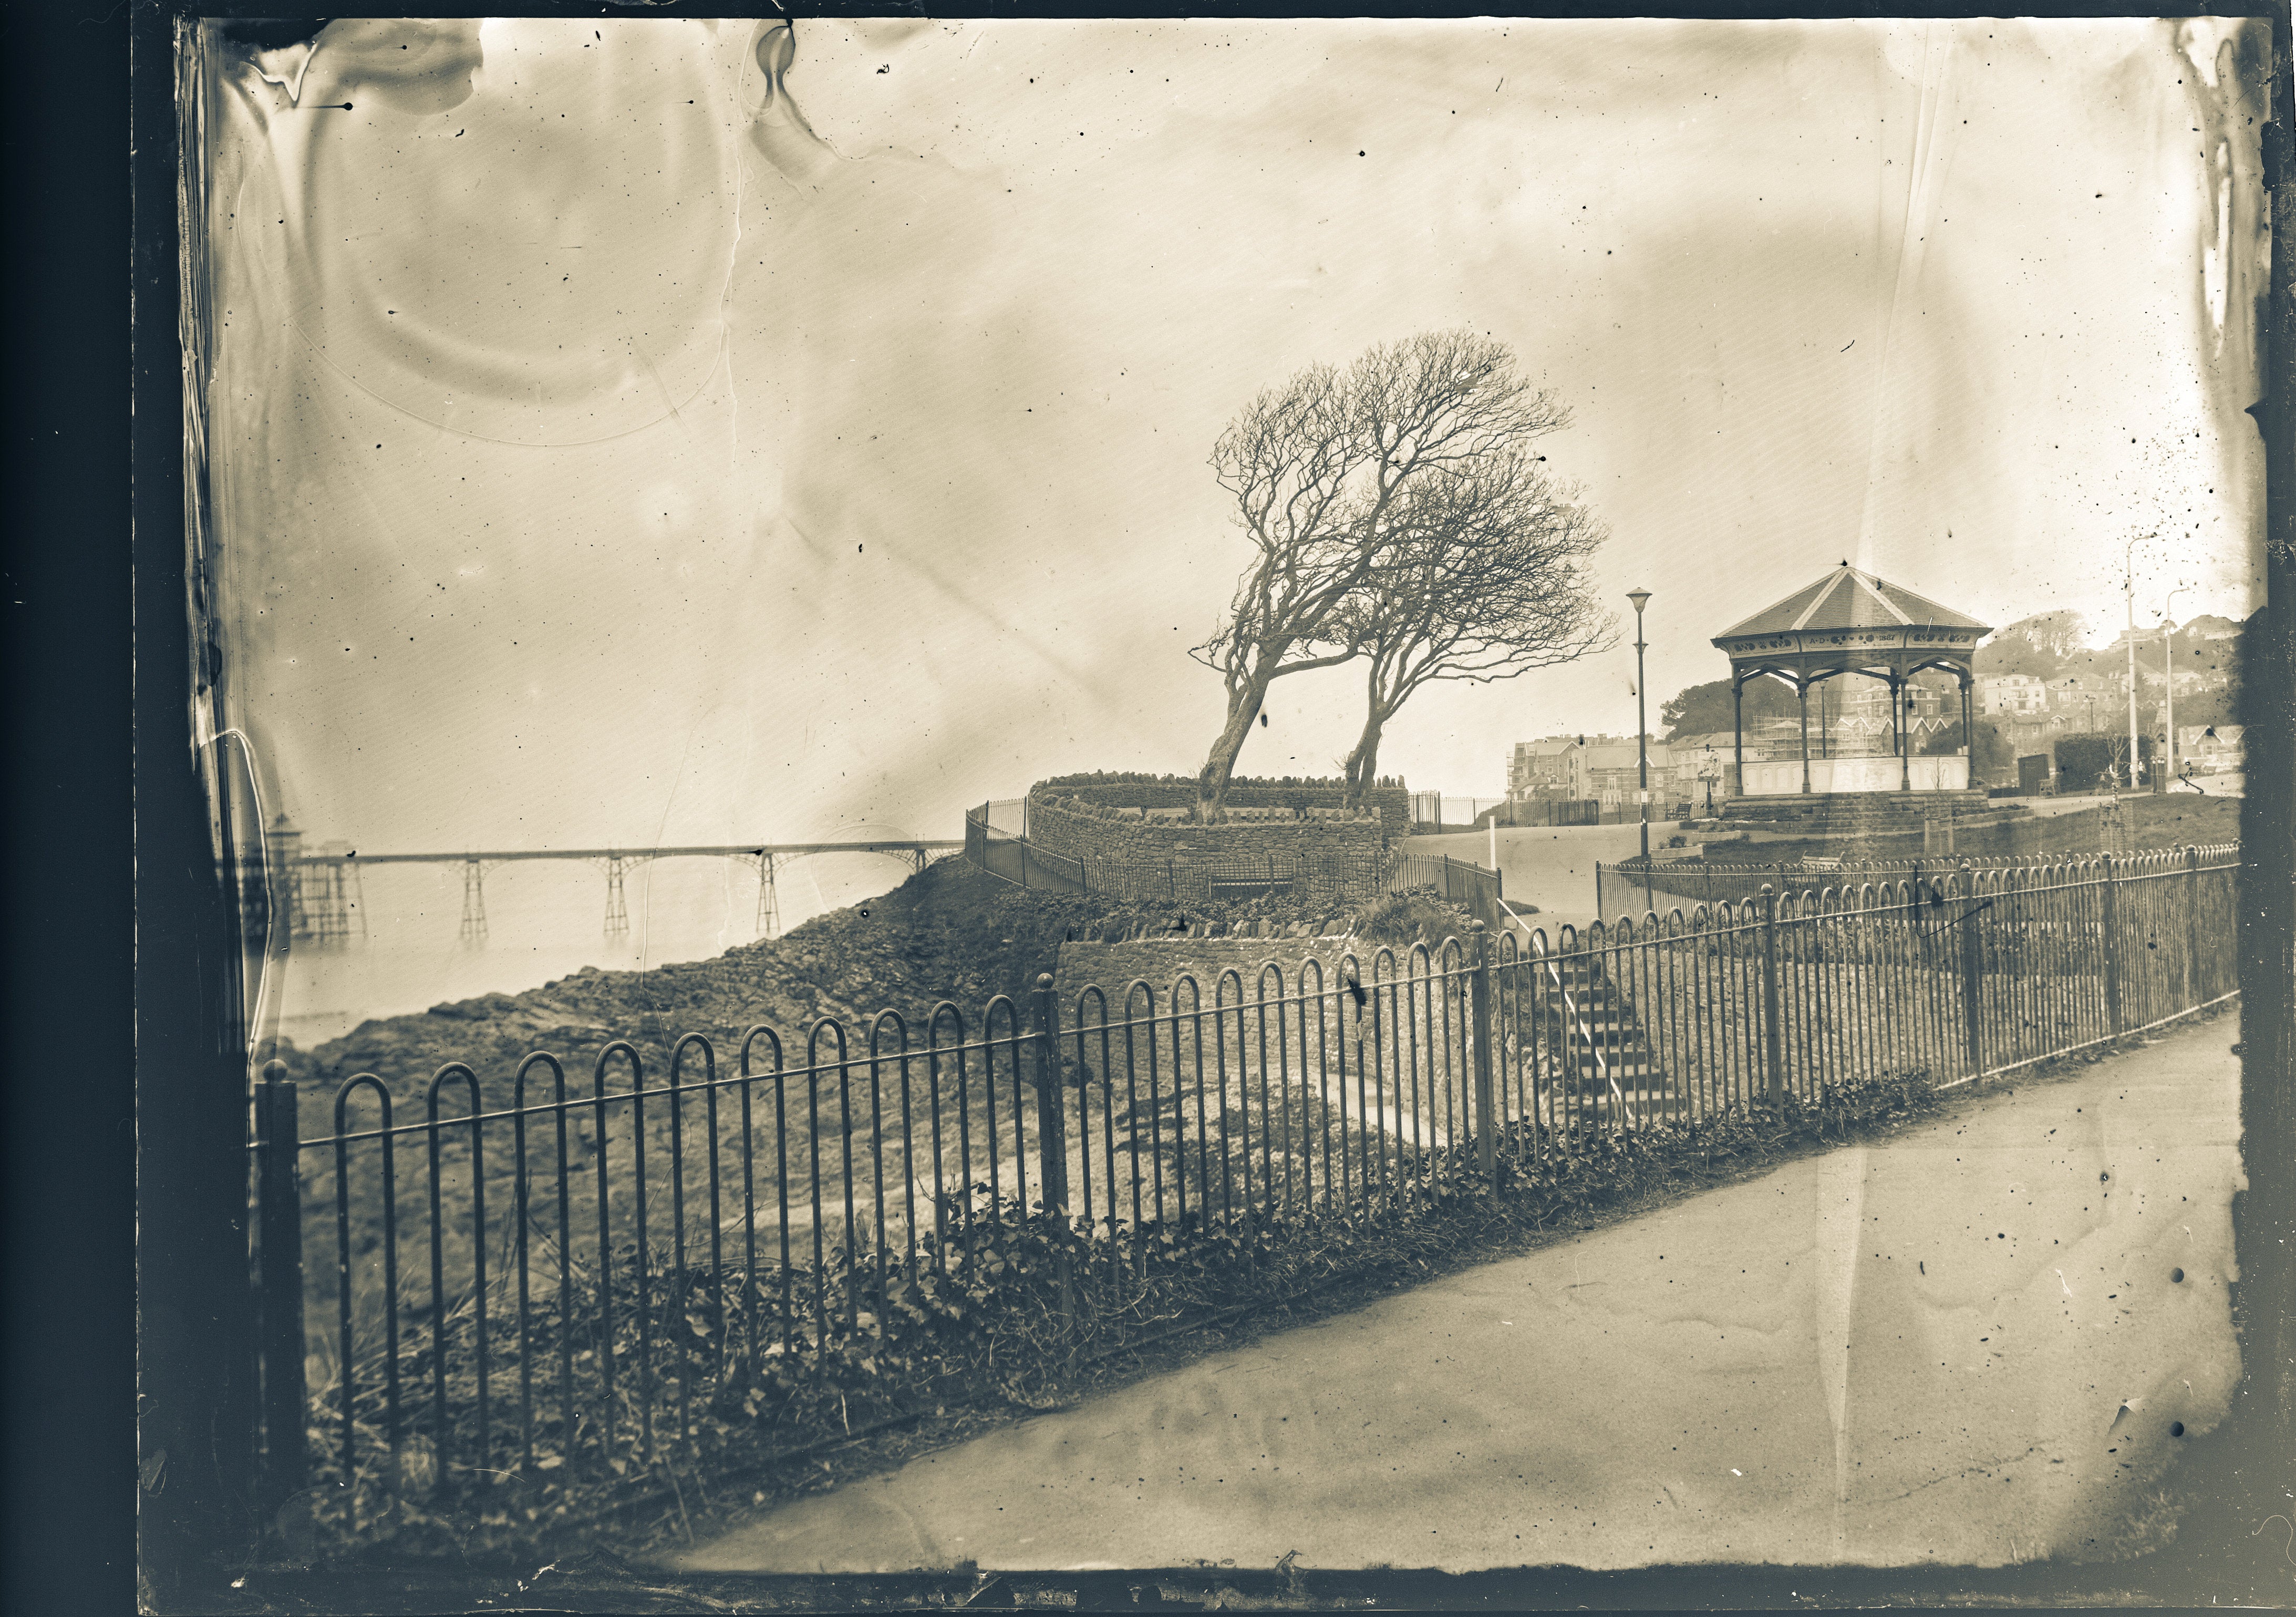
[{"x": 1846, "y": 599}]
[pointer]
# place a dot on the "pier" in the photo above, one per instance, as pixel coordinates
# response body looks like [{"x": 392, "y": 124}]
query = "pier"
[{"x": 322, "y": 897}]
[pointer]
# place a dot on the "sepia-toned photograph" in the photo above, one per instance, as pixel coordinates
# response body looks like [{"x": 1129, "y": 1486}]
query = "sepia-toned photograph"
[{"x": 1189, "y": 812}]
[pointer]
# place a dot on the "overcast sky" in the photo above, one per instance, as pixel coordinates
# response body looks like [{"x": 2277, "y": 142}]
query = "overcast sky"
[{"x": 609, "y": 450}]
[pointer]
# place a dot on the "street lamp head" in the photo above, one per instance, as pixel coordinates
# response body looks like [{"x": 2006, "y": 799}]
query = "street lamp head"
[{"x": 1638, "y": 596}]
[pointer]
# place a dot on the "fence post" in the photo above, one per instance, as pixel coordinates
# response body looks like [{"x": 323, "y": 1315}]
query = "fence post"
[
  {"x": 2192, "y": 927},
  {"x": 2111, "y": 942},
  {"x": 1051, "y": 1142},
  {"x": 1773, "y": 1066},
  {"x": 1972, "y": 971},
  {"x": 1487, "y": 1123},
  {"x": 280, "y": 1230}
]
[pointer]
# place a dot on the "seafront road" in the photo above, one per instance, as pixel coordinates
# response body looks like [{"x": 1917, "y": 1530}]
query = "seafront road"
[{"x": 1971, "y": 1342}]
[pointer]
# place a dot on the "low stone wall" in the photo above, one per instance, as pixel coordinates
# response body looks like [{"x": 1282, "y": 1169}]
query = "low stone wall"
[
  {"x": 1074, "y": 830},
  {"x": 1391, "y": 803},
  {"x": 1329, "y": 857}
]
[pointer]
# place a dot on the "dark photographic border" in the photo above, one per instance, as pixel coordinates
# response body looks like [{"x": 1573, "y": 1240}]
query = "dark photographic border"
[{"x": 122, "y": 941}]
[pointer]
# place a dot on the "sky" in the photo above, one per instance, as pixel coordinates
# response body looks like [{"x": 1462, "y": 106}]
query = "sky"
[{"x": 612, "y": 442}]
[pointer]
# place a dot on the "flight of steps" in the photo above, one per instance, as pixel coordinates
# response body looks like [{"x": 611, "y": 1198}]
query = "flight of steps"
[
  {"x": 1855, "y": 813},
  {"x": 1590, "y": 1017}
]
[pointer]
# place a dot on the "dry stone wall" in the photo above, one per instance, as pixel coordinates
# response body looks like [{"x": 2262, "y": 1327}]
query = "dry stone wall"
[
  {"x": 1331, "y": 856},
  {"x": 1393, "y": 804}
]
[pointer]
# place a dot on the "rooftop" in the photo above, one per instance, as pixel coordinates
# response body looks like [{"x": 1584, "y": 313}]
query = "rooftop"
[{"x": 1846, "y": 598}]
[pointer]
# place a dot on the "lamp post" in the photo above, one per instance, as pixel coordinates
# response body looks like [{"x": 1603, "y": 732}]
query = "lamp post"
[
  {"x": 2168, "y": 688},
  {"x": 1641, "y": 598},
  {"x": 2128, "y": 588}
]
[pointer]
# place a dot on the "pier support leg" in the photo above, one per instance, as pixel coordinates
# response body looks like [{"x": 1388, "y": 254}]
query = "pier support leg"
[
  {"x": 617, "y": 912},
  {"x": 769, "y": 914},
  {"x": 474, "y": 902}
]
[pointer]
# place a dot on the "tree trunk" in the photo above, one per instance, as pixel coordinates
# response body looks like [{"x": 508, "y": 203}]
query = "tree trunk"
[
  {"x": 1243, "y": 708},
  {"x": 1363, "y": 763}
]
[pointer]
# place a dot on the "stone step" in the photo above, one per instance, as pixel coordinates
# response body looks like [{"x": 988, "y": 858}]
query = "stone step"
[{"x": 1853, "y": 808}]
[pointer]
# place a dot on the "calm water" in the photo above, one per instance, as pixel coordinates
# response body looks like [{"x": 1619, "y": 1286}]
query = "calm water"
[{"x": 544, "y": 921}]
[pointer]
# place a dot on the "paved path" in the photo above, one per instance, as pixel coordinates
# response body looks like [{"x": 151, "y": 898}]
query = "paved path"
[
  {"x": 1551, "y": 867},
  {"x": 1909, "y": 1351}
]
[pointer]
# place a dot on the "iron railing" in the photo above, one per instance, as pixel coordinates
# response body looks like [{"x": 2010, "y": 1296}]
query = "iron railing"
[
  {"x": 1632, "y": 888},
  {"x": 1474, "y": 888},
  {"x": 530, "y": 1275},
  {"x": 996, "y": 839}
]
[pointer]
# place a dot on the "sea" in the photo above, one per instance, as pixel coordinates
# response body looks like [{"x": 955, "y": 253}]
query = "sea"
[{"x": 545, "y": 919}]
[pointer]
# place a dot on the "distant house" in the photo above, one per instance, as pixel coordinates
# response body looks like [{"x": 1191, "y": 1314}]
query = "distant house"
[
  {"x": 1604, "y": 767},
  {"x": 2190, "y": 681},
  {"x": 2086, "y": 673},
  {"x": 2012, "y": 696},
  {"x": 2094, "y": 694},
  {"x": 1541, "y": 769},
  {"x": 1868, "y": 700},
  {"x": 2200, "y": 753},
  {"x": 2209, "y": 627}
]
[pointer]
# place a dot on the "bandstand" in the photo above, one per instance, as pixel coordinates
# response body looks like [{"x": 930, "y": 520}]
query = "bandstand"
[{"x": 1849, "y": 622}]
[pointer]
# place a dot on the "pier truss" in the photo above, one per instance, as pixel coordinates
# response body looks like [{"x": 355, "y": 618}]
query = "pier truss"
[{"x": 326, "y": 899}]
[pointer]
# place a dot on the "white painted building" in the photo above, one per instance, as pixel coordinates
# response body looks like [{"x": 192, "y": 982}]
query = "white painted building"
[{"x": 2012, "y": 696}]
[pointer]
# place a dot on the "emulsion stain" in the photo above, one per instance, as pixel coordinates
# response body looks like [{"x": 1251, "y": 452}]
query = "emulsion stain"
[
  {"x": 778, "y": 128},
  {"x": 411, "y": 65}
]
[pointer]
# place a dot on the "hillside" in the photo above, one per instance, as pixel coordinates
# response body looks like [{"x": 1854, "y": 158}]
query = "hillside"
[{"x": 951, "y": 933}]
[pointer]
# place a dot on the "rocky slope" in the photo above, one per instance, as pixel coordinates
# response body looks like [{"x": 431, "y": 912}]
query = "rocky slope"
[{"x": 951, "y": 932}]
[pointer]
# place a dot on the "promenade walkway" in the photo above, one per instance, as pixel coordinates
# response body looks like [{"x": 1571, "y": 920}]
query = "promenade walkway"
[{"x": 1967, "y": 1345}]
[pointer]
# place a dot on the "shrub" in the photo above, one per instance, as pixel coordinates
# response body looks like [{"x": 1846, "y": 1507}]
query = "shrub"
[{"x": 1416, "y": 917}]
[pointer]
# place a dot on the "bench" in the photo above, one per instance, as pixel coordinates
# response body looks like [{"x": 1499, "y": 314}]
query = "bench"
[{"x": 1256, "y": 888}]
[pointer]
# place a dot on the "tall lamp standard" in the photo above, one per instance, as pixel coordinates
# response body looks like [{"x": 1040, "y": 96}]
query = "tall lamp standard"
[
  {"x": 2128, "y": 588},
  {"x": 2169, "y": 687},
  {"x": 1641, "y": 598}
]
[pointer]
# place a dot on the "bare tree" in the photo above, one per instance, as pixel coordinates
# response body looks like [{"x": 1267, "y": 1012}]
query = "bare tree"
[
  {"x": 1485, "y": 579},
  {"x": 1317, "y": 468}
]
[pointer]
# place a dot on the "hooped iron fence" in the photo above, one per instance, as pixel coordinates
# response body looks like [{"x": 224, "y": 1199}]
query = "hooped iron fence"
[
  {"x": 1632, "y": 887},
  {"x": 512, "y": 1283}
]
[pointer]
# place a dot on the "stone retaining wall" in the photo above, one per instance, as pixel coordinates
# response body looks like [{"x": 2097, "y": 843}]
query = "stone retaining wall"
[
  {"x": 1391, "y": 803},
  {"x": 1346, "y": 854}
]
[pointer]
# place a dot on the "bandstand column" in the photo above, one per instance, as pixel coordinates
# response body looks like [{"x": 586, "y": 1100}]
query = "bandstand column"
[
  {"x": 1968, "y": 731},
  {"x": 1801, "y": 691},
  {"x": 1897, "y": 726},
  {"x": 1738, "y": 728}
]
